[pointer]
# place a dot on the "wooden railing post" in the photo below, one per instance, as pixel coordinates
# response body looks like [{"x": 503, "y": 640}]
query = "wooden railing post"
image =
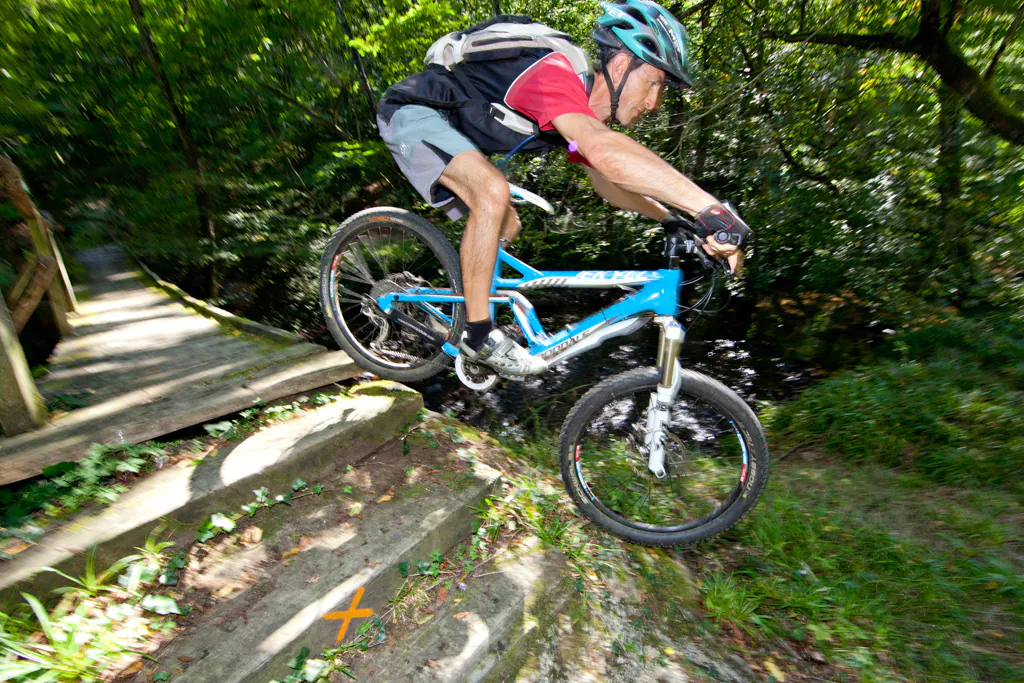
[
  {"x": 62, "y": 297},
  {"x": 21, "y": 408}
]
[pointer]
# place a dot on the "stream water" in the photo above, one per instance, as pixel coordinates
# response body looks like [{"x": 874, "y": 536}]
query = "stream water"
[{"x": 755, "y": 363}]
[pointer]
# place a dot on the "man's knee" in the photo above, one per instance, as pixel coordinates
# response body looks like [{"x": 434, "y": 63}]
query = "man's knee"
[{"x": 478, "y": 183}]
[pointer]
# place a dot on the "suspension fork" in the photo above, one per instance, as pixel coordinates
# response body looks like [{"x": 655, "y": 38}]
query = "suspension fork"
[{"x": 669, "y": 342}]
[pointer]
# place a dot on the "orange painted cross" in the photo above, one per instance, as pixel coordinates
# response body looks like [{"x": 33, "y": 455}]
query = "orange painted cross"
[{"x": 348, "y": 615}]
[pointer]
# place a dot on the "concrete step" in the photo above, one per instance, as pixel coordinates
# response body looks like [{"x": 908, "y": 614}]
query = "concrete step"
[
  {"x": 330, "y": 436},
  {"x": 485, "y": 633},
  {"x": 289, "y": 600},
  {"x": 156, "y": 410}
]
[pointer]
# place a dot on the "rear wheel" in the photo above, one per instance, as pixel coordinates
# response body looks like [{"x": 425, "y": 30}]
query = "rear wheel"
[
  {"x": 380, "y": 251},
  {"x": 716, "y": 459}
]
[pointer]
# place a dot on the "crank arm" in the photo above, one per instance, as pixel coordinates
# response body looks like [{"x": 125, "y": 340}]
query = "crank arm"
[{"x": 429, "y": 335}]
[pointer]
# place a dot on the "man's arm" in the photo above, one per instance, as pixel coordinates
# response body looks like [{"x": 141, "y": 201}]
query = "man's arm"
[
  {"x": 628, "y": 164},
  {"x": 624, "y": 199},
  {"x": 623, "y": 161}
]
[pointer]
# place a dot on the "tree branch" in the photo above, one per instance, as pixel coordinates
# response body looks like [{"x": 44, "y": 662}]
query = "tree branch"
[
  {"x": 980, "y": 97},
  {"x": 291, "y": 100},
  {"x": 991, "y": 70},
  {"x": 870, "y": 41},
  {"x": 686, "y": 13},
  {"x": 955, "y": 10}
]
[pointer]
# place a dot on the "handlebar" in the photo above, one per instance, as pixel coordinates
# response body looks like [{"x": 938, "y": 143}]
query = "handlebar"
[{"x": 686, "y": 240}]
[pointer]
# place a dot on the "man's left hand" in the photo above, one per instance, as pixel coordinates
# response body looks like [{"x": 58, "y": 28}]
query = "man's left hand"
[{"x": 725, "y": 233}]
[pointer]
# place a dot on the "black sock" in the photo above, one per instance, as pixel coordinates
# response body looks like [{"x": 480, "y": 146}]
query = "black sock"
[{"x": 476, "y": 333}]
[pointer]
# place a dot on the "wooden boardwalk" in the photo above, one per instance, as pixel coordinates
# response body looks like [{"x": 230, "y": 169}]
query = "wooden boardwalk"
[{"x": 145, "y": 365}]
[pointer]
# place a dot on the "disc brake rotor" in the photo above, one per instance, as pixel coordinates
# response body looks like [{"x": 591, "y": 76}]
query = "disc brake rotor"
[{"x": 397, "y": 283}]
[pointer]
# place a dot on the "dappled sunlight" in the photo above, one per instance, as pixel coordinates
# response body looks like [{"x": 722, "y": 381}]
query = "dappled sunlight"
[
  {"x": 477, "y": 635},
  {"x": 334, "y": 537}
]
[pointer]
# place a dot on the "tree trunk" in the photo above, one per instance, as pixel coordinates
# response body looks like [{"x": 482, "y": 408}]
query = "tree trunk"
[
  {"x": 188, "y": 145},
  {"x": 951, "y": 225},
  {"x": 371, "y": 101},
  {"x": 704, "y": 122}
]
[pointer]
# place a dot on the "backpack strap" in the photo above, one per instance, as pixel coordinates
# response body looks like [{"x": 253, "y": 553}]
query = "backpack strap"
[{"x": 504, "y": 115}]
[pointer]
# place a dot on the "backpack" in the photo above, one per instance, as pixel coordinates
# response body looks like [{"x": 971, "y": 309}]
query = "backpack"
[{"x": 505, "y": 37}]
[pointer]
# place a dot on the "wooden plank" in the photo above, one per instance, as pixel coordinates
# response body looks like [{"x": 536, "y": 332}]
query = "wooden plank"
[
  {"x": 69, "y": 438},
  {"x": 27, "y": 304},
  {"x": 28, "y": 270},
  {"x": 64, "y": 277},
  {"x": 21, "y": 408}
]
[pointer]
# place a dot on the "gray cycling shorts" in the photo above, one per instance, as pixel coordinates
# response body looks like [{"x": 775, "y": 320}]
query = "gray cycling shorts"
[{"x": 423, "y": 143}]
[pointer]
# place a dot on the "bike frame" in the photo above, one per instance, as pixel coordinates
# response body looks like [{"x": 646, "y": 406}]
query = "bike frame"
[{"x": 653, "y": 294}]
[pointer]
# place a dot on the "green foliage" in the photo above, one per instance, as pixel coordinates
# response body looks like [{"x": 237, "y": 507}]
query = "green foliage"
[
  {"x": 877, "y": 572},
  {"x": 92, "y": 627},
  {"x": 952, "y": 408},
  {"x": 67, "y": 486},
  {"x": 841, "y": 159},
  {"x": 224, "y": 523}
]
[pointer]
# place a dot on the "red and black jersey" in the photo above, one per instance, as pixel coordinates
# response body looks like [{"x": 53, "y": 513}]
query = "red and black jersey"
[{"x": 540, "y": 86}]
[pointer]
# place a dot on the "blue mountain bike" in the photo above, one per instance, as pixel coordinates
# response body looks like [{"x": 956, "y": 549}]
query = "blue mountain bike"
[{"x": 660, "y": 456}]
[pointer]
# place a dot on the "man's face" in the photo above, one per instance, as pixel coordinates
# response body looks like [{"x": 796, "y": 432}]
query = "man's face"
[{"x": 641, "y": 94}]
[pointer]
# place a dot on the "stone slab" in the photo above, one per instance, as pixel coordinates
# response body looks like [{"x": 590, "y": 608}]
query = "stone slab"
[
  {"x": 333, "y": 435},
  {"x": 253, "y": 636},
  {"x": 499, "y": 617}
]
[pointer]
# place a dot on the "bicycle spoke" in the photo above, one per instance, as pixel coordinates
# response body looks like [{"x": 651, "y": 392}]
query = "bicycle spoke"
[{"x": 703, "y": 461}]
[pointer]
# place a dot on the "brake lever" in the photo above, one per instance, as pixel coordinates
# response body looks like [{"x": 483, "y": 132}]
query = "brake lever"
[{"x": 695, "y": 245}]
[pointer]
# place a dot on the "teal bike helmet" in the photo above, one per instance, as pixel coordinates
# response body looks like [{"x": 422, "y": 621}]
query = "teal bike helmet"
[{"x": 651, "y": 34}]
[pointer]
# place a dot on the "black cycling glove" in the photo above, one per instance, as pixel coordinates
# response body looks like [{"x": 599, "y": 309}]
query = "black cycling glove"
[
  {"x": 673, "y": 223},
  {"x": 723, "y": 223}
]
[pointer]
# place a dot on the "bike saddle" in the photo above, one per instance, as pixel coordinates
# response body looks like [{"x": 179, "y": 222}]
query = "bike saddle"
[{"x": 521, "y": 196}]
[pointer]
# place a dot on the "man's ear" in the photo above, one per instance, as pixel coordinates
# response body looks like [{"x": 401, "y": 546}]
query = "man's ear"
[{"x": 617, "y": 66}]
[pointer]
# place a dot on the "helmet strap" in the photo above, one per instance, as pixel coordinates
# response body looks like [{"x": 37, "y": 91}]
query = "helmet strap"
[{"x": 614, "y": 91}]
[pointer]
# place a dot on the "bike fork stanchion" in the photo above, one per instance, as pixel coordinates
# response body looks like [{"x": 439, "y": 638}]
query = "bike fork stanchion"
[{"x": 669, "y": 342}]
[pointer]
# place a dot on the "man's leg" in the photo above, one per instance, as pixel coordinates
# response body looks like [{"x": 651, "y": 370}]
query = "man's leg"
[{"x": 483, "y": 188}]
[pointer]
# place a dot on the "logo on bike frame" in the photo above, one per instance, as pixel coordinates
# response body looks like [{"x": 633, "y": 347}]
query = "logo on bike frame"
[{"x": 593, "y": 278}]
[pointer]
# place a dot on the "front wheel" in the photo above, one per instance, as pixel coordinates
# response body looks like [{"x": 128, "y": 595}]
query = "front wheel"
[{"x": 716, "y": 459}]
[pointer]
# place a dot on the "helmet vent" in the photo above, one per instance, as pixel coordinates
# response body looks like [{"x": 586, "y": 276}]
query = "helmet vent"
[
  {"x": 636, "y": 14},
  {"x": 648, "y": 43}
]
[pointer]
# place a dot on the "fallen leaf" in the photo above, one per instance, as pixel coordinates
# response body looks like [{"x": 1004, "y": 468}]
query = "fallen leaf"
[
  {"x": 313, "y": 579},
  {"x": 384, "y": 499},
  {"x": 669, "y": 651},
  {"x": 460, "y": 615},
  {"x": 774, "y": 670},
  {"x": 252, "y": 535},
  {"x": 226, "y": 590},
  {"x": 183, "y": 658},
  {"x": 289, "y": 553},
  {"x": 442, "y": 594},
  {"x": 135, "y": 668},
  {"x": 17, "y": 547}
]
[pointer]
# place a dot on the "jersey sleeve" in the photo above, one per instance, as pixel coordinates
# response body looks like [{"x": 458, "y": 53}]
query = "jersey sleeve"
[{"x": 548, "y": 89}]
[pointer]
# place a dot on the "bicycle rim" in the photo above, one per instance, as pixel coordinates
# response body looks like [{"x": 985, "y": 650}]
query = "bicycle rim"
[
  {"x": 382, "y": 259},
  {"x": 707, "y": 461}
]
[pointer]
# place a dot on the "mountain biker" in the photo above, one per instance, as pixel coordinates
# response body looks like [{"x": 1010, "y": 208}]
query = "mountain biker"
[{"x": 438, "y": 134}]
